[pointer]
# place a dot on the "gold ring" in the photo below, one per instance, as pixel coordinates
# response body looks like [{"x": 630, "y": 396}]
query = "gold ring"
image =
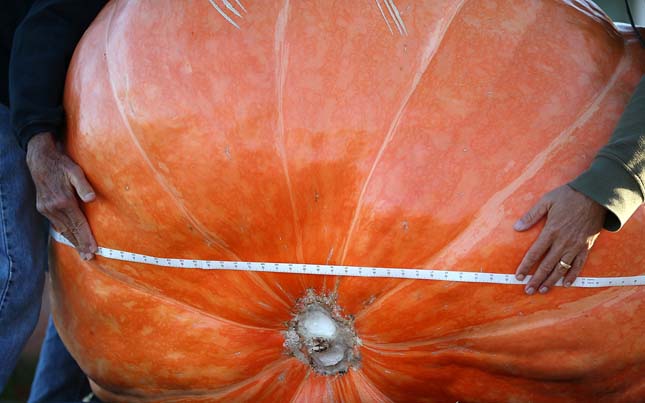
[{"x": 565, "y": 266}]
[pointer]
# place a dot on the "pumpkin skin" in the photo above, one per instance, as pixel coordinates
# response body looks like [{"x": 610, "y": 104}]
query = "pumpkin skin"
[{"x": 317, "y": 132}]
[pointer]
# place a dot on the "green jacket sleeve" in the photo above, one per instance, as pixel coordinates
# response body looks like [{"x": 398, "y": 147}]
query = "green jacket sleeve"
[{"x": 616, "y": 177}]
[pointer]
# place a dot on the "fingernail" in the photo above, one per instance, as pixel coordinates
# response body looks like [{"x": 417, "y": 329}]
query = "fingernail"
[
  {"x": 88, "y": 197},
  {"x": 543, "y": 290},
  {"x": 567, "y": 284},
  {"x": 519, "y": 277},
  {"x": 519, "y": 225},
  {"x": 530, "y": 290}
]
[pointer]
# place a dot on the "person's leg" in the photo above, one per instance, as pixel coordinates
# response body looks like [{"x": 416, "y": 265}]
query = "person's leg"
[
  {"x": 23, "y": 251},
  {"x": 58, "y": 377},
  {"x": 23, "y": 260}
]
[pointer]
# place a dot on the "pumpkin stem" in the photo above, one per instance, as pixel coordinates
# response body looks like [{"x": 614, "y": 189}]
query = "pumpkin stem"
[{"x": 321, "y": 337}]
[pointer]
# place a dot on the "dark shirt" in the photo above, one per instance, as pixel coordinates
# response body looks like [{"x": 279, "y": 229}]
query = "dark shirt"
[
  {"x": 43, "y": 44},
  {"x": 11, "y": 13}
]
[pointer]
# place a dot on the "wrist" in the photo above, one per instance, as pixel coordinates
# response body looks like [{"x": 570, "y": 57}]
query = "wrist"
[{"x": 40, "y": 143}]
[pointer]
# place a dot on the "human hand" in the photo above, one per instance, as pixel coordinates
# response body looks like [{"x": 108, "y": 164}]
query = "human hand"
[
  {"x": 573, "y": 222},
  {"x": 57, "y": 178}
]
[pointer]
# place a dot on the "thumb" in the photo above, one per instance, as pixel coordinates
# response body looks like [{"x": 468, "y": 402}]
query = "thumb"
[
  {"x": 532, "y": 216},
  {"x": 79, "y": 181}
]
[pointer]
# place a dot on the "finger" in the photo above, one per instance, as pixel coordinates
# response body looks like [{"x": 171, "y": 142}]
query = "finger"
[
  {"x": 79, "y": 181},
  {"x": 63, "y": 212},
  {"x": 53, "y": 206},
  {"x": 543, "y": 271},
  {"x": 62, "y": 229},
  {"x": 81, "y": 229},
  {"x": 557, "y": 272},
  {"x": 532, "y": 216},
  {"x": 57, "y": 220},
  {"x": 576, "y": 268},
  {"x": 533, "y": 255}
]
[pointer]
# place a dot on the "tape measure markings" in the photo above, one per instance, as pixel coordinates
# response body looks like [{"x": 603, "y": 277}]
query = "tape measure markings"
[{"x": 349, "y": 271}]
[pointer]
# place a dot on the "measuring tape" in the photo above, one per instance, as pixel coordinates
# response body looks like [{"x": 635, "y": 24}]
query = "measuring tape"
[{"x": 351, "y": 271}]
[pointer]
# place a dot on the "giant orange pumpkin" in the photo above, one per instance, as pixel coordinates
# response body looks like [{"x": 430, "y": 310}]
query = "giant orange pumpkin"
[{"x": 377, "y": 133}]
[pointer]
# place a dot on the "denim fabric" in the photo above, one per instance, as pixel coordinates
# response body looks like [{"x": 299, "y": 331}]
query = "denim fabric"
[
  {"x": 58, "y": 377},
  {"x": 23, "y": 251},
  {"x": 23, "y": 260}
]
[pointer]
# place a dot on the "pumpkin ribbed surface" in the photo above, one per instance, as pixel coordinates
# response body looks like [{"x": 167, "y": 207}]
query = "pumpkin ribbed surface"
[{"x": 374, "y": 133}]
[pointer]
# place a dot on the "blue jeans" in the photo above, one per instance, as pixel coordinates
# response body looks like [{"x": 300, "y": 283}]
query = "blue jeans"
[
  {"x": 58, "y": 377},
  {"x": 23, "y": 260}
]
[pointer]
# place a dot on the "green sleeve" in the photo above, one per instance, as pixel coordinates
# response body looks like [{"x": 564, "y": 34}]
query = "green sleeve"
[{"x": 616, "y": 178}]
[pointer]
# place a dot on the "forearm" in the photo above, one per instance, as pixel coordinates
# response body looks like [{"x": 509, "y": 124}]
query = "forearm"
[
  {"x": 42, "y": 48},
  {"x": 616, "y": 178}
]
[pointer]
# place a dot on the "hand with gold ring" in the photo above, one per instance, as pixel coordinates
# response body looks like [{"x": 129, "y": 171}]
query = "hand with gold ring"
[{"x": 573, "y": 222}]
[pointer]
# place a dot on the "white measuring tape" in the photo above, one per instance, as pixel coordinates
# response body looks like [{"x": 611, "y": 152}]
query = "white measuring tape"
[{"x": 353, "y": 271}]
